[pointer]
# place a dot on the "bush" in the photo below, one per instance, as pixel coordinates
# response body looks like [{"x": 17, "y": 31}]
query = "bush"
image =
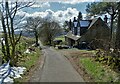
[
  {"x": 108, "y": 58},
  {"x": 106, "y": 54}
]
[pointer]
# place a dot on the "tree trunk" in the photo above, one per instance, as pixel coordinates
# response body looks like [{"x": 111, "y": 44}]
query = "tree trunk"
[
  {"x": 50, "y": 41},
  {"x": 13, "y": 44},
  {"x": 12, "y": 37},
  {"x": 7, "y": 49},
  {"x": 13, "y": 60},
  {"x": 36, "y": 37},
  {"x": 111, "y": 28},
  {"x": 118, "y": 32}
]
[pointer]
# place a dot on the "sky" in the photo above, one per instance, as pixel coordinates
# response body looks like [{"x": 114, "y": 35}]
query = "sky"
[
  {"x": 59, "y": 11},
  {"x": 56, "y": 10}
]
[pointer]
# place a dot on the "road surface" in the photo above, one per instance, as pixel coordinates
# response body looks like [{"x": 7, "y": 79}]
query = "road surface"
[{"x": 56, "y": 69}]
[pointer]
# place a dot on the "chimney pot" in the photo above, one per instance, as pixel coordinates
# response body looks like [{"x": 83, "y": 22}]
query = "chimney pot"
[
  {"x": 75, "y": 19},
  {"x": 105, "y": 18}
]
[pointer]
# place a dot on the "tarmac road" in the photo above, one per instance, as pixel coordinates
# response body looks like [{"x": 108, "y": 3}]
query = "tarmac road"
[{"x": 56, "y": 69}]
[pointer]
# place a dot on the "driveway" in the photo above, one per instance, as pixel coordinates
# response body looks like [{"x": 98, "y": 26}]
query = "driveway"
[{"x": 56, "y": 69}]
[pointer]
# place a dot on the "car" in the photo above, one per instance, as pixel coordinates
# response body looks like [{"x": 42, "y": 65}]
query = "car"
[{"x": 63, "y": 47}]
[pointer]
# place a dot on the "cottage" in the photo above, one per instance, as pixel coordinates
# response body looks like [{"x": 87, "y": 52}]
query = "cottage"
[{"x": 86, "y": 30}]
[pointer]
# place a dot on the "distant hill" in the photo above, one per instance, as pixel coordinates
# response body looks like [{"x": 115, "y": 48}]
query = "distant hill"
[
  {"x": 25, "y": 33},
  {"x": 28, "y": 34}
]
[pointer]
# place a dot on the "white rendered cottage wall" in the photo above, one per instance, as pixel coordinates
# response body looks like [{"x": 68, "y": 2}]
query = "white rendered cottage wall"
[{"x": 78, "y": 31}]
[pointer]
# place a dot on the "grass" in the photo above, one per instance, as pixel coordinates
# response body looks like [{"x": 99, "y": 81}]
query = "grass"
[
  {"x": 30, "y": 59},
  {"x": 99, "y": 72},
  {"x": 88, "y": 51},
  {"x": 60, "y": 38}
]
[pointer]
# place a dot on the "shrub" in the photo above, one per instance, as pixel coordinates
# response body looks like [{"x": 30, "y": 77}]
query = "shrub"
[{"x": 109, "y": 59}]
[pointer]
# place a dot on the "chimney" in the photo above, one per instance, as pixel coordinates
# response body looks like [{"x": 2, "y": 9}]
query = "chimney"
[
  {"x": 70, "y": 24},
  {"x": 74, "y": 19},
  {"x": 74, "y": 30},
  {"x": 79, "y": 16},
  {"x": 105, "y": 18}
]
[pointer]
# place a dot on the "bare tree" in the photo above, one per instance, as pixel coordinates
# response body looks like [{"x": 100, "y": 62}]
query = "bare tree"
[
  {"x": 33, "y": 25},
  {"x": 49, "y": 30},
  {"x": 8, "y": 12}
]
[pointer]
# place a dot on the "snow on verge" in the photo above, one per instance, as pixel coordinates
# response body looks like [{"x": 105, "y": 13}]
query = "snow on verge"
[{"x": 8, "y": 74}]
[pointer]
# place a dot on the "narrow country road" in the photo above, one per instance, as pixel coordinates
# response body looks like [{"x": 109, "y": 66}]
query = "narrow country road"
[{"x": 56, "y": 69}]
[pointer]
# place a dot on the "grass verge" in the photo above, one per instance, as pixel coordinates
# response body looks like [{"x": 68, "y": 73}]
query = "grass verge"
[
  {"x": 98, "y": 71},
  {"x": 27, "y": 60},
  {"x": 30, "y": 59},
  {"x": 92, "y": 71}
]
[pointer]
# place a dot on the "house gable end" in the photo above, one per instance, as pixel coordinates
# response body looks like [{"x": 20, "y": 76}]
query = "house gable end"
[{"x": 98, "y": 30}]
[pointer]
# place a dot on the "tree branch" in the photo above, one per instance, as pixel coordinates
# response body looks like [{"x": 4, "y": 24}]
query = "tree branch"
[
  {"x": 27, "y": 5},
  {"x": 18, "y": 38},
  {"x": 7, "y": 12},
  {"x": 15, "y": 10}
]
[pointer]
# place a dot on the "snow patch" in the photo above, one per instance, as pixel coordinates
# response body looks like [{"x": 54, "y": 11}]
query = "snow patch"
[
  {"x": 77, "y": 36},
  {"x": 8, "y": 73},
  {"x": 27, "y": 51}
]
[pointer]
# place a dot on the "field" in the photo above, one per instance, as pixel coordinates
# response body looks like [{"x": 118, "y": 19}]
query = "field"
[{"x": 60, "y": 38}]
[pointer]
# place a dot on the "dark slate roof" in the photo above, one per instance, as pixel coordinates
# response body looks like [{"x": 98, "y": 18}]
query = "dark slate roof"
[
  {"x": 84, "y": 23},
  {"x": 93, "y": 22},
  {"x": 71, "y": 36}
]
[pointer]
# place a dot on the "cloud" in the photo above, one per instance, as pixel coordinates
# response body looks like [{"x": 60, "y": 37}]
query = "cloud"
[
  {"x": 60, "y": 16},
  {"x": 70, "y": 13},
  {"x": 77, "y": 1},
  {"x": 70, "y": 2},
  {"x": 41, "y": 5}
]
